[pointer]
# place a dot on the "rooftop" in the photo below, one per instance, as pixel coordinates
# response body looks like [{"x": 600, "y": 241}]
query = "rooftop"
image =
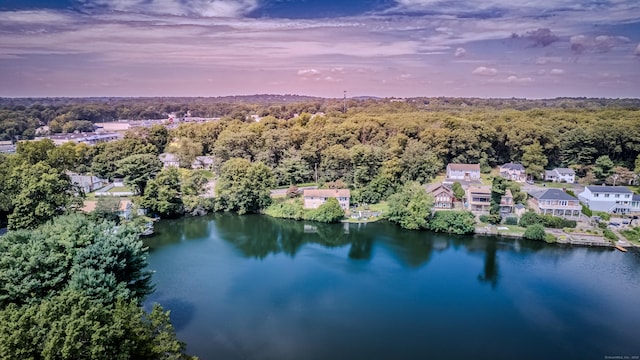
[
  {"x": 551, "y": 194},
  {"x": 464, "y": 167},
  {"x": 327, "y": 193},
  {"x": 609, "y": 189},
  {"x": 513, "y": 166}
]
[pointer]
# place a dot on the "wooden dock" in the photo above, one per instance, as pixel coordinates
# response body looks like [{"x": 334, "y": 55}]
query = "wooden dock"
[{"x": 621, "y": 248}]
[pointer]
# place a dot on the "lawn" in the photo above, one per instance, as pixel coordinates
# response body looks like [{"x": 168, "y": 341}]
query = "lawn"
[
  {"x": 553, "y": 185},
  {"x": 511, "y": 229},
  {"x": 633, "y": 235},
  {"x": 119, "y": 189}
]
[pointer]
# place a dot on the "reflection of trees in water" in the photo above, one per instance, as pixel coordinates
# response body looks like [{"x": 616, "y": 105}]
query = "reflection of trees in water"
[
  {"x": 411, "y": 248},
  {"x": 196, "y": 227},
  {"x": 490, "y": 272},
  {"x": 361, "y": 248}
]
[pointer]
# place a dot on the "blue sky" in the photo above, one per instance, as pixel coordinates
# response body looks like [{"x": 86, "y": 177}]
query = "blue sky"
[{"x": 401, "y": 48}]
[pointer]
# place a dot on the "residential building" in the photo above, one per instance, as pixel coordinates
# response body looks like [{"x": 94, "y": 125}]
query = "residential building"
[
  {"x": 465, "y": 172},
  {"x": 203, "y": 162},
  {"x": 635, "y": 204},
  {"x": 89, "y": 138},
  {"x": 86, "y": 183},
  {"x": 555, "y": 202},
  {"x": 443, "y": 197},
  {"x": 478, "y": 199},
  {"x": 506, "y": 203},
  {"x": 169, "y": 160},
  {"x": 611, "y": 199},
  {"x": 313, "y": 198},
  {"x": 513, "y": 172},
  {"x": 562, "y": 175},
  {"x": 7, "y": 147}
]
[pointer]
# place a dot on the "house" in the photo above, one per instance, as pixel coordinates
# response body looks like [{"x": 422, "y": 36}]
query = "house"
[
  {"x": 610, "y": 199},
  {"x": 519, "y": 210},
  {"x": 313, "y": 198},
  {"x": 478, "y": 199},
  {"x": 506, "y": 203},
  {"x": 555, "y": 202},
  {"x": 443, "y": 197},
  {"x": 635, "y": 204},
  {"x": 513, "y": 172},
  {"x": 562, "y": 175},
  {"x": 87, "y": 183},
  {"x": 465, "y": 172},
  {"x": 203, "y": 162},
  {"x": 169, "y": 160}
]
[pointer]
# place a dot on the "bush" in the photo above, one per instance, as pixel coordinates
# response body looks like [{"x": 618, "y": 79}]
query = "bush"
[
  {"x": 292, "y": 191},
  {"x": 484, "y": 218},
  {"x": 329, "y": 212},
  {"x": 603, "y": 215},
  {"x": 511, "y": 221},
  {"x": 529, "y": 218},
  {"x": 550, "y": 221},
  {"x": 549, "y": 238},
  {"x": 453, "y": 222},
  {"x": 535, "y": 232},
  {"x": 586, "y": 210},
  {"x": 287, "y": 210},
  {"x": 610, "y": 235}
]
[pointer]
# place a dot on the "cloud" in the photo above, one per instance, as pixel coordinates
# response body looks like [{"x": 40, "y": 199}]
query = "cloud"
[
  {"x": 460, "y": 52},
  {"x": 484, "y": 71},
  {"x": 637, "y": 52},
  {"x": 513, "y": 79},
  {"x": 206, "y": 8},
  {"x": 556, "y": 72},
  {"x": 541, "y": 37},
  {"x": 598, "y": 44},
  {"x": 309, "y": 72}
]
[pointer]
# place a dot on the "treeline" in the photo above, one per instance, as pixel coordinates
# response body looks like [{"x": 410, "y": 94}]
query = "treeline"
[{"x": 20, "y": 117}]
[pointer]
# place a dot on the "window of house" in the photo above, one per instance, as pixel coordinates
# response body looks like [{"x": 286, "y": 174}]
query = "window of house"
[
  {"x": 563, "y": 203},
  {"x": 596, "y": 195},
  {"x": 606, "y": 195},
  {"x": 617, "y": 195}
]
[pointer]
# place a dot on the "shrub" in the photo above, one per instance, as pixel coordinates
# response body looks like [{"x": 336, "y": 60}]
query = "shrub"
[
  {"x": 603, "y": 215},
  {"x": 286, "y": 209},
  {"x": 453, "y": 222},
  {"x": 586, "y": 210},
  {"x": 549, "y": 238},
  {"x": 529, "y": 218},
  {"x": 534, "y": 232},
  {"x": 511, "y": 221},
  {"x": 484, "y": 218},
  {"x": 329, "y": 212},
  {"x": 292, "y": 191},
  {"x": 610, "y": 235}
]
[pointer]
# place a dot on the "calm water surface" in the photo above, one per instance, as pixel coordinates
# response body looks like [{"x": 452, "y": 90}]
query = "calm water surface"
[{"x": 254, "y": 287}]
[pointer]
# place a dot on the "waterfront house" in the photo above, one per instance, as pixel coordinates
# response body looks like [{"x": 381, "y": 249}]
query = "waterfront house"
[
  {"x": 506, "y": 203},
  {"x": 478, "y": 199},
  {"x": 313, "y": 198},
  {"x": 610, "y": 199},
  {"x": 513, "y": 172},
  {"x": 635, "y": 204},
  {"x": 561, "y": 175},
  {"x": 169, "y": 160},
  {"x": 555, "y": 202},
  {"x": 465, "y": 172},
  {"x": 443, "y": 197}
]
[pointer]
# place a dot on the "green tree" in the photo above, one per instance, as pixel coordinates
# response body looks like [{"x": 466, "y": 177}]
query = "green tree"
[
  {"x": 138, "y": 170},
  {"x": 186, "y": 150},
  {"x": 38, "y": 193},
  {"x": 158, "y": 136},
  {"x": 244, "y": 187},
  {"x": 458, "y": 191},
  {"x": 453, "y": 222},
  {"x": 603, "y": 168},
  {"x": 534, "y": 160},
  {"x": 107, "y": 208},
  {"x": 534, "y": 232},
  {"x": 74, "y": 326},
  {"x": 637, "y": 165},
  {"x": 420, "y": 163},
  {"x": 498, "y": 189},
  {"x": 329, "y": 212},
  {"x": 33, "y": 152},
  {"x": 411, "y": 207},
  {"x": 163, "y": 195}
]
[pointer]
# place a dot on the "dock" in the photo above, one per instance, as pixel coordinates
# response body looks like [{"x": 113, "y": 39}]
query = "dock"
[{"x": 621, "y": 248}]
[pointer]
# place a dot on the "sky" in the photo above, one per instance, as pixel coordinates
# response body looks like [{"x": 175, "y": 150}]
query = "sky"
[{"x": 385, "y": 48}]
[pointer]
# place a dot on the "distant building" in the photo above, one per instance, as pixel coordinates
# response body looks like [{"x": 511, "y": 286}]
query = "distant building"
[
  {"x": 7, "y": 147},
  {"x": 635, "y": 204},
  {"x": 169, "y": 160},
  {"x": 465, "y": 172},
  {"x": 313, "y": 198},
  {"x": 555, "y": 202},
  {"x": 513, "y": 172},
  {"x": 89, "y": 138},
  {"x": 562, "y": 175},
  {"x": 610, "y": 199},
  {"x": 203, "y": 162},
  {"x": 87, "y": 183}
]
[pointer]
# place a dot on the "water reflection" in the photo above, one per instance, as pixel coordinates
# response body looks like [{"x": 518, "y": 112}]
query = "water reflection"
[{"x": 490, "y": 271}]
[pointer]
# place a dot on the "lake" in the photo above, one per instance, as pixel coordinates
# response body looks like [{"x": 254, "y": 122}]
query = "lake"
[{"x": 254, "y": 287}]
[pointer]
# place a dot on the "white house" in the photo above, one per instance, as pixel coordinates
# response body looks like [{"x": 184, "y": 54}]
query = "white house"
[
  {"x": 466, "y": 172},
  {"x": 514, "y": 172},
  {"x": 87, "y": 183},
  {"x": 635, "y": 204},
  {"x": 555, "y": 202},
  {"x": 203, "y": 162},
  {"x": 563, "y": 175},
  {"x": 611, "y": 199},
  {"x": 313, "y": 198},
  {"x": 169, "y": 160}
]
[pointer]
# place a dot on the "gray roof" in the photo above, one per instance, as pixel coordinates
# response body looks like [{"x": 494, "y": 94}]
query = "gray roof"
[
  {"x": 635, "y": 197},
  {"x": 168, "y": 157},
  {"x": 565, "y": 171},
  {"x": 550, "y": 172},
  {"x": 520, "y": 206},
  {"x": 513, "y": 166},
  {"x": 609, "y": 189},
  {"x": 551, "y": 194}
]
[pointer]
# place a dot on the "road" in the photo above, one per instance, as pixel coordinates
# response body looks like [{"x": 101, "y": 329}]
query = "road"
[{"x": 282, "y": 192}]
